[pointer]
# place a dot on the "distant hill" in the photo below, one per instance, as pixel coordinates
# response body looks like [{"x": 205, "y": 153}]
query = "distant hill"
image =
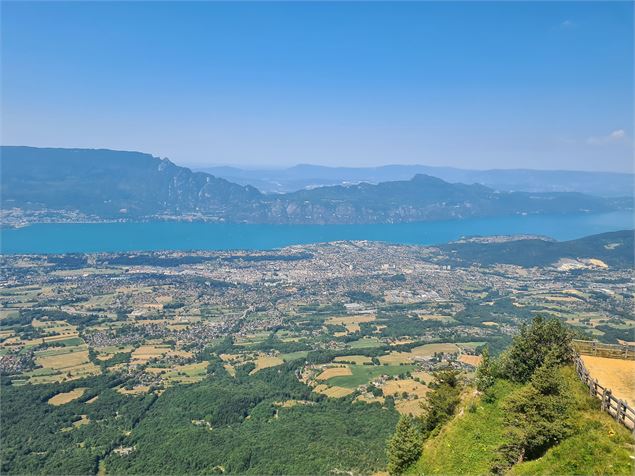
[
  {"x": 113, "y": 184},
  {"x": 614, "y": 248},
  {"x": 604, "y": 184}
]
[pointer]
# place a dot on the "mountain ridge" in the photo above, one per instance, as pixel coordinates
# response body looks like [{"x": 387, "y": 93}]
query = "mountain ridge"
[
  {"x": 132, "y": 185},
  {"x": 301, "y": 176}
]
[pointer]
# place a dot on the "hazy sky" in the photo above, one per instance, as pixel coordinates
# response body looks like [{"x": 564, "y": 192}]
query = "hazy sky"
[{"x": 475, "y": 85}]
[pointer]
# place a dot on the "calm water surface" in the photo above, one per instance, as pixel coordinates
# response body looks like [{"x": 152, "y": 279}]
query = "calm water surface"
[{"x": 113, "y": 237}]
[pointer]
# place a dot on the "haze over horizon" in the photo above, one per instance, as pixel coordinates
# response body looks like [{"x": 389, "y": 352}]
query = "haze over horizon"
[{"x": 473, "y": 86}]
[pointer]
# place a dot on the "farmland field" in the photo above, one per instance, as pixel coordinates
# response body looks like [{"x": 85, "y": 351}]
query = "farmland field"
[{"x": 66, "y": 397}]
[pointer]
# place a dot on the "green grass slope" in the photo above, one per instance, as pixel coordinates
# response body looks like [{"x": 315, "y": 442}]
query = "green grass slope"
[
  {"x": 599, "y": 446},
  {"x": 468, "y": 443}
]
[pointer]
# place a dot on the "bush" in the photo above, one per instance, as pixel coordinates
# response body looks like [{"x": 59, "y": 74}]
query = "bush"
[{"x": 538, "y": 416}]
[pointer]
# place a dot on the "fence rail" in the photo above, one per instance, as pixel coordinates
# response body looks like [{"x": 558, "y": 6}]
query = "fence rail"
[
  {"x": 617, "y": 408},
  {"x": 613, "y": 351}
]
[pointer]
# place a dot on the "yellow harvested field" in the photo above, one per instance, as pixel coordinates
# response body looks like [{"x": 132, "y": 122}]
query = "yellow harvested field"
[
  {"x": 230, "y": 369},
  {"x": 350, "y": 322},
  {"x": 134, "y": 391},
  {"x": 84, "y": 420},
  {"x": 397, "y": 387},
  {"x": 433, "y": 317},
  {"x": 60, "y": 337},
  {"x": 337, "y": 392},
  {"x": 402, "y": 341},
  {"x": 266, "y": 361},
  {"x": 396, "y": 358},
  {"x": 344, "y": 320},
  {"x": 425, "y": 376},
  {"x": 229, "y": 357},
  {"x": 562, "y": 298},
  {"x": 353, "y": 359},
  {"x": 616, "y": 374},
  {"x": 474, "y": 360},
  {"x": 63, "y": 361},
  {"x": 84, "y": 370},
  {"x": 490, "y": 323},
  {"x": 427, "y": 350},
  {"x": 574, "y": 292},
  {"x": 369, "y": 399},
  {"x": 92, "y": 400},
  {"x": 409, "y": 407},
  {"x": 66, "y": 397},
  {"x": 147, "y": 352},
  {"x": 334, "y": 372}
]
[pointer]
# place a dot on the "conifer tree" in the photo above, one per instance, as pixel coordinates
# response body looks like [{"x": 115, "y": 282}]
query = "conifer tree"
[{"x": 404, "y": 447}]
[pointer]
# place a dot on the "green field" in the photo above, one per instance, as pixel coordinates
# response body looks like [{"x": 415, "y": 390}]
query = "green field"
[
  {"x": 301, "y": 354},
  {"x": 365, "y": 343}
]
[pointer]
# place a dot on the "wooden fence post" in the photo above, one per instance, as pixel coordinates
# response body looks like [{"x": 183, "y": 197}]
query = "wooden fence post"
[
  {"x": 606, "y": 399},
  {"x": 621, "y": 405},
  {"x": 593, "y": 388}
]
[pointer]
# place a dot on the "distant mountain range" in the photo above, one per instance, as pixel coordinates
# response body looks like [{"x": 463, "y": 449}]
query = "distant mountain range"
[
  {"x": 113, "y": 184},
  {"x": 603, "y": 184}
]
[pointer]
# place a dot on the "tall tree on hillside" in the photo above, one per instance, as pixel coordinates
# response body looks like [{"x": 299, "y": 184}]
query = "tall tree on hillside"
[
  {"x": 442, "y": 400},
  {"x": 405, "y": 445},
  {"x": 528, "y": 352},
  {"x": 485, "y": 373}
]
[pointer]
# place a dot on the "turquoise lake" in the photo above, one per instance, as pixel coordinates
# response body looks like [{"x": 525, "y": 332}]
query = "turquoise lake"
[{"x": 113, "y": 237}]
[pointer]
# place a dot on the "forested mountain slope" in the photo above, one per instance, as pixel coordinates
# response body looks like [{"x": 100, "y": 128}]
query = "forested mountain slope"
[{"x": 615, "y": 249}]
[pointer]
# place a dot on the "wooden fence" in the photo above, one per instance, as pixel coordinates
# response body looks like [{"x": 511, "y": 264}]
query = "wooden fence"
[
  {"x": 612, "y": 351},
  {"x": 615, "y": 407}
]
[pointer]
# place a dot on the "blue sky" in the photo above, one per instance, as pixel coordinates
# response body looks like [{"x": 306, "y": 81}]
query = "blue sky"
[{"x": 474, "y": 85}]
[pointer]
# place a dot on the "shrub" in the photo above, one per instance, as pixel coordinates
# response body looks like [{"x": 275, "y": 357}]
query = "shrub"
[{"x": 538, "y": 416}]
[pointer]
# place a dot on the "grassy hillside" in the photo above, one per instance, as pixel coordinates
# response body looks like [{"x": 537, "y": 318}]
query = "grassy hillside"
[{"x": 468, "y": 443}]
